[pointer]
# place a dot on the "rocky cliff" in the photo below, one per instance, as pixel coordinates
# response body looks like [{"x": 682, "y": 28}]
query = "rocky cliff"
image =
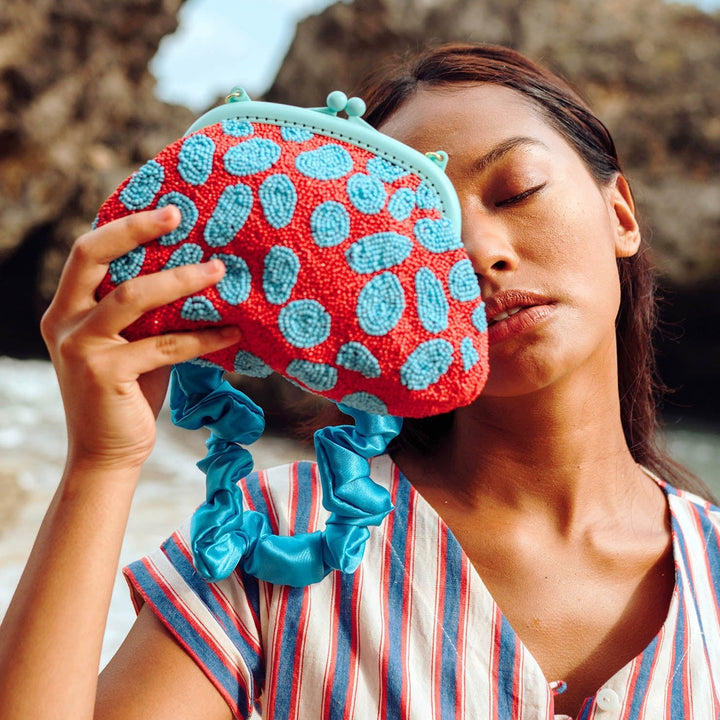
[{"x": 77, "y": 114}]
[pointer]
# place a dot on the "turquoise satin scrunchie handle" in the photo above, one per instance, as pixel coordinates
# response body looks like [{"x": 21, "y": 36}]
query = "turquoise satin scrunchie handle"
[{"x": 224, "y": 535}]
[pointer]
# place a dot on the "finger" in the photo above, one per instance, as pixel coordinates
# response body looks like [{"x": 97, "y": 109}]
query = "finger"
[
  {"x": 146, "y": 355},
  {"x": 135, "y": 297},
  {"x": 92, "y": 253}
]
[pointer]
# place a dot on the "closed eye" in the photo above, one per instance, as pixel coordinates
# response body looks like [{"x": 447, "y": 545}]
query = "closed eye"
[{"x": 515, "y": 199}]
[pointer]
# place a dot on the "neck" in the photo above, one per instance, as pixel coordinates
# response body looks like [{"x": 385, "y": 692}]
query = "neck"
[{"x": 555, "y": 452}]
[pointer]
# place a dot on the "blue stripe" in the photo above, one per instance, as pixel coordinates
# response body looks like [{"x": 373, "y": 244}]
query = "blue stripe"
[
  {"x": 285, "y": 680},
  {"x": 305, "y": 494},
  {"x": 341, "y": 680},
  {"x": 506, "y": 674},
  {"x": 677, "y": 697},
  {"x": 451, "y": 618},
  {"x": 203, "y": 591},
  {"x": 683, "y": 560},
  {"x": 396, "y": 599},
  {"x": 643, "y": 678},
  {"x": 585, "y": 711},
  {"x": 204, "y": 655},
  {"x": 710, "y": 538},
  {"x": 255, "y": 498}
]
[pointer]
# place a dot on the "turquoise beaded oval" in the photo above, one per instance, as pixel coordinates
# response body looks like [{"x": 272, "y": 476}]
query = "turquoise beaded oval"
[
  {"x": 379, "y": 251},
  {"x": 228, "y": 218},
  {"x": 426, "y": 364},
  {"x": 143, "y": 186},
  {"x": 278, "y": 198},
  {"x": 380, "y": 304},
  {"x": 304, "y": 323},
  {"x": 252, "y": 156},
  {"x": 329, "y": 224},
  {"x": 188, "y": 217},
  {"x": 195, "y": 159},
  {"x": 432, "y": 305},
  {"x": 281, "y": 268},
  {"x": 329, "y": 162}
]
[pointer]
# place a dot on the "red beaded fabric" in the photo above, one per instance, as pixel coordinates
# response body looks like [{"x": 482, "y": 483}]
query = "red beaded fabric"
[{"x": 342, "y": 271}]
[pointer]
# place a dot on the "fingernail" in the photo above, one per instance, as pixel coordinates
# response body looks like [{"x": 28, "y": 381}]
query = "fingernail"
[
  {"x": 211, "y": 267},
  {"x": 166, "y": 212}
]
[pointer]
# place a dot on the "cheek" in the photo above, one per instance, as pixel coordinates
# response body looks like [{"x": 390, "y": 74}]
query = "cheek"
[{"x": 574, "y": 236}]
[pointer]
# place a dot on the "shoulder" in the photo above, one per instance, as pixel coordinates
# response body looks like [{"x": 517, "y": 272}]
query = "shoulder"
[
  {"x": 696, "y": 535},
  {"x": 692, "y": 505}
]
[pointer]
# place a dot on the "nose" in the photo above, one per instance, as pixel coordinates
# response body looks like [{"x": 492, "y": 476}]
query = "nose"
[{"x": 488, "y": 244}]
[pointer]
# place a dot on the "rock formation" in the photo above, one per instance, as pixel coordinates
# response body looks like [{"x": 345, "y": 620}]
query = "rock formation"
[{"x": 77, "y": 115}]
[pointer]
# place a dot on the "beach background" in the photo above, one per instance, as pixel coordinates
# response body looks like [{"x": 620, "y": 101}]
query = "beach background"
[{"x": 200, "y": 50}]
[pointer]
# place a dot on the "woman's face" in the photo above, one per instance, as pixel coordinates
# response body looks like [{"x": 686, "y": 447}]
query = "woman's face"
[{"x": 543, "y": 237}]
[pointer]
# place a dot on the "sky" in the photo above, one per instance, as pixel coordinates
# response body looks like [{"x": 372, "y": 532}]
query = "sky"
[{"x": 222, "y": 43}]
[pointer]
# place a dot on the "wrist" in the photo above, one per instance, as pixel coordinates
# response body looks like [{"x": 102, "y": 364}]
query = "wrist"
[{"x": 83, "y": 472}]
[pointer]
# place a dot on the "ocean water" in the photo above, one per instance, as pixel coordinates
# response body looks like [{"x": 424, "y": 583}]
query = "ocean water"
[{"x": 32, "y": 451}]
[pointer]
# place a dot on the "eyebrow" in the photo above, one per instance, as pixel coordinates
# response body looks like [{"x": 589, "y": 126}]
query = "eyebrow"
[{"x": 502, "y": 149}]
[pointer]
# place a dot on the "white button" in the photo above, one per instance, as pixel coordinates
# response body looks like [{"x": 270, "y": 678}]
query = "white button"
[{"x": 607, "y": 699}]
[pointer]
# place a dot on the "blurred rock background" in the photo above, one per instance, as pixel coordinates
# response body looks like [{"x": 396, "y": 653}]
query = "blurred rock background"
[{"x": 78, "y": 114}]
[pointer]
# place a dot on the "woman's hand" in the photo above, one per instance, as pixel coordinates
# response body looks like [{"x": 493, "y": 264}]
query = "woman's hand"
[{"x": 113, "y": 389}]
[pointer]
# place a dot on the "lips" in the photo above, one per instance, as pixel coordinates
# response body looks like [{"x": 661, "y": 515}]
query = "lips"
[
  {"x": 504, "y": 315},
  {"x": 511, "y": 312}
]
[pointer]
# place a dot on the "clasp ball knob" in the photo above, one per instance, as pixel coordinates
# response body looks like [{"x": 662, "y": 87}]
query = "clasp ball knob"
[
  {"x": 337, "y": 100},
  {"x": 355, "y": 107}
]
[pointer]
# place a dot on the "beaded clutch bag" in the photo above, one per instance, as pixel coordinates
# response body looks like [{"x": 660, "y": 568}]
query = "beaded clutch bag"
[{"x": 345, "y": 273}]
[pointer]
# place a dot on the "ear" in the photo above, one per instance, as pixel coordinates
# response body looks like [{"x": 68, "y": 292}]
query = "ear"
[{"x": 622, "y": 208}]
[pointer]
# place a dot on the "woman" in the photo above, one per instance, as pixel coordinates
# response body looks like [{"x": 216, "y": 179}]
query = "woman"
[{"x": 533, "y": 566}]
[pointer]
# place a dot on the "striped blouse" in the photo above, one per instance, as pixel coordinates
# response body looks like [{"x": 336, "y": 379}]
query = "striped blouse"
[{"x": 414, "y": 633}]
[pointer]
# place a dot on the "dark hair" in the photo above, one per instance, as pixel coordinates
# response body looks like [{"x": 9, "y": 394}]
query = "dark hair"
[{"x": 385, "y": 90}]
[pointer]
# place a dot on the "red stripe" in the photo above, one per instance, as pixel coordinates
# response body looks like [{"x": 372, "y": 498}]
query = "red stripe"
[
  {"x": 707, "y": 581},
  {"x": 630, "y": 686},
  {"x": 316, "y": 496},
  {"x": 517, "y": 677},
  {"x": 292, "y": 498},
  {"x": 267, "y": 495},
  {"x": 687, "y": 693},
  {"x": 654, "y": 666}
]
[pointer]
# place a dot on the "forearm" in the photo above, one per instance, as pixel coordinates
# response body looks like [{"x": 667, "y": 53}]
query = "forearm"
[{"x": 52, "y": 634}]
